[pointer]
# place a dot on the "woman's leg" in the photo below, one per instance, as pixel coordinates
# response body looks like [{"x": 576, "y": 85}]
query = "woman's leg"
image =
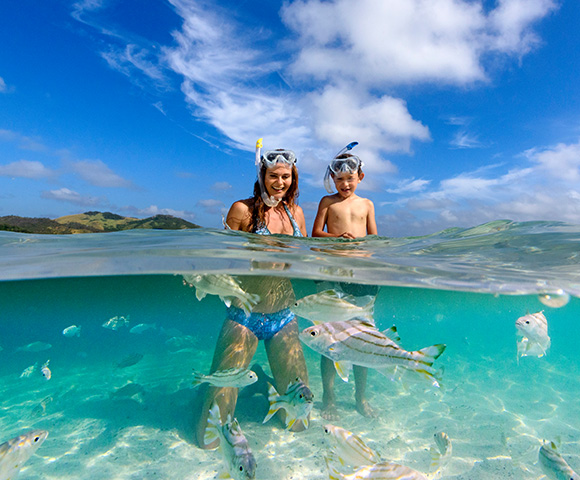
[
  {"x": 235, "y": 347},
  {"x": 328, "y": 373},
  {"x": 287, "y": 361}
]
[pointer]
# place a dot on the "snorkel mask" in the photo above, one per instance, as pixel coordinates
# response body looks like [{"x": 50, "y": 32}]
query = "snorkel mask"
[
  {"x": 270, "y": 159},
  {"x": 343, "y": 162}
]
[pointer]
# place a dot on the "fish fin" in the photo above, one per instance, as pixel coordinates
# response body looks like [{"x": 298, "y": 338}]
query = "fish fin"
[
  {"x": 198, "y": 378},
  {"x": 343, "y": 369},
  {"x": 224, "y": 474},
  {"x": 227, "y": 301},
  {"x": 274, "y": 406},
  {"x": 435, "y": 459},
  {"x": 199, "y": 294},
  {"x": 433, "y": 352},
  {"x": 213, "y": 424},
  {"x": 331, "y": 459},
  {"x": 306, "y": 422},
  {"x": 392, "y": 334},
  {"x": 290, "y": 422}
]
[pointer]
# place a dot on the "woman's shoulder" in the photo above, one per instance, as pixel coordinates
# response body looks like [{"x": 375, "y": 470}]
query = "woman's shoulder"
[{"x": 239, "y": 215}]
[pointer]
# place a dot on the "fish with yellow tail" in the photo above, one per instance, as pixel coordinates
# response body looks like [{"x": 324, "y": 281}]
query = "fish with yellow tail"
[
  {"x": 358, "y": 342},
  {"x": 297, "y": 402},
  {"x": 238, "y": 457},
  {"x": 349, "y": 448},
  {"x": 232, "y": 377},
  {"x": 533, "y": 332},
  {"x": 332, "y": 306},
  {"x": 378, "y": 471},
  {"x": 15, "y": 452},
  {"x": 553, "y": 465},
  {"x": 224, "y": 286},
  {"x": 441, "y": 453}
]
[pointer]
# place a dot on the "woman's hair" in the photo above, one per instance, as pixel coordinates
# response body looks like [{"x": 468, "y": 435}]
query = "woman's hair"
[{"x": 258, "y": 206}]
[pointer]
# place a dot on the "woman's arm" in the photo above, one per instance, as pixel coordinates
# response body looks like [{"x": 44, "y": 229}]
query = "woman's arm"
[{"x": 238, "y": 216}]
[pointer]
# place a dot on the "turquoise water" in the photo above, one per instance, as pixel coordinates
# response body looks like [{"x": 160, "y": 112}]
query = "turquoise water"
[{"x": 462, "y": 287}]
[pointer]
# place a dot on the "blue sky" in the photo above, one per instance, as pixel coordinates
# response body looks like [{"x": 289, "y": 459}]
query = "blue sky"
[{"x": 465, "y": 111}]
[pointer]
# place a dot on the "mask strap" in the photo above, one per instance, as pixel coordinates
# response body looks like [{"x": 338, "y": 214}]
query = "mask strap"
[{"x": 269, "y": 201}]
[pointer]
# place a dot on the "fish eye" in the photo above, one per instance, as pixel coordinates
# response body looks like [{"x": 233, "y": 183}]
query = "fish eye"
[
  {"x": 326, "y": 430},
  {"x": 313, "y": 333},
  {"x": 527, "y": 321},
  {"x": 241, "y": 468},
  {"x": 300, "y": 396},
  {"x": 36, "y": 439}
]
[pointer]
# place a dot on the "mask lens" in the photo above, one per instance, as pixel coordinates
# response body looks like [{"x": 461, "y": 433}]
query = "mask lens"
[
  {"x": 273, "y": 157},
  {"x": 345, "y": 165}
]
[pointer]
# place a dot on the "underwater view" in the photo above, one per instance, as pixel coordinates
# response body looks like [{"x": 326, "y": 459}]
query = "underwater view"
[{"x": 107, "y": 341}]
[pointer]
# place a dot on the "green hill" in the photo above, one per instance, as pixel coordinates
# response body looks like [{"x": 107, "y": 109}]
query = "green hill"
[{"x": 91, "y": 222}]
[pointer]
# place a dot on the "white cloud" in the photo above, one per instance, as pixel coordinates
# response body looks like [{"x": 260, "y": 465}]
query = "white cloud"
[
  {"x": 132, "y": 58},
  {"x": 98, "y": 174},
  {"x": 374, "y": 42},
  {"x": 212, "y": 206},
  {"x": 221, "y": 186},
  {"x": 561, "y": 161},
  {"x": 3, "y": 86},
  {"x": 410, "y": 185},
  {"x": 464, "y": 139},
  {"x": 23, "y": 142},
  {"x": 25, "y": 169},
  {"x": 153, "y": 210},
  {"x": 70, "y": 196}
]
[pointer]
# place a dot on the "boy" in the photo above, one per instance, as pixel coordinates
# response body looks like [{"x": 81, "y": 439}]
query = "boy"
[{"x": 345, "y": 215}]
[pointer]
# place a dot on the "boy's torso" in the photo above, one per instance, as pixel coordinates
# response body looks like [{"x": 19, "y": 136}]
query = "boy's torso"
[{"x": 348, "y": 215}]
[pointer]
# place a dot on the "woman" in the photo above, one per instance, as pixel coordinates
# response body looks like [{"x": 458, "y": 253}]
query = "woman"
[{"x": 272, "y": 210}]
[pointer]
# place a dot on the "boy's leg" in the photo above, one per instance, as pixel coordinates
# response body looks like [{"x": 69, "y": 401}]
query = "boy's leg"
[
  {"x": 360, "y": 382},
  {"x": 328, "y": 373}
]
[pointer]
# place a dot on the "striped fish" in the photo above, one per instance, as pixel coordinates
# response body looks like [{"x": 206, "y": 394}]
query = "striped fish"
[
  {"x": 442, "y": 453},
  {"x": 224, "y": 286},
  {"x": 232, "y": 377},
  {"x": 358, "y": 342},
  {"x": 378, "y": 471},
  {"x": 238, "y": 458},
  {"x": 18, "y": 450},
  {"x": 297, "y": 401},
  {"x": 349, "y": 448},
  {"x": 553, "y": 465},
  {"x": 332, "y": 306}
]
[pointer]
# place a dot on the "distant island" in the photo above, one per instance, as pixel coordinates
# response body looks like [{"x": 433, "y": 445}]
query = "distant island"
[{"x": 91, "y": 222}]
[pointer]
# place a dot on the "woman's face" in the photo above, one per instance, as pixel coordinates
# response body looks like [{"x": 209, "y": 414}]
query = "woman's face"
[{"x": 278, "y": 180}]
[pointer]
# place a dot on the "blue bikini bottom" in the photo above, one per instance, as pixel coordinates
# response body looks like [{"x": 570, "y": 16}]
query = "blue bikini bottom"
[{"x": 263, "y": 325}]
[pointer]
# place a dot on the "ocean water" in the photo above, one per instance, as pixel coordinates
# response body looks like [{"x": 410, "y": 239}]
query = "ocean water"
[{"x": 461, "y": 287}]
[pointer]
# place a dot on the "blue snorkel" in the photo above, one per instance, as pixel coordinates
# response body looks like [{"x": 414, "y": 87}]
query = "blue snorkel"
[{"x": 330, "y": 171}]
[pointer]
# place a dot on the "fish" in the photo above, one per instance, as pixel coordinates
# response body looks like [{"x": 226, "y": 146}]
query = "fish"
[
  {"x": 181, "y": 343},
  {"x": 128, "y": 390},
  {"x": 224, "y": 286},
  {"x": 28, "y": 371},
  {"x": 40, "y": 409},
  {"x": 297, "y": 402},
  {"x": 130, "y": 360},
  {"x": 143, "y": 327},
  {"x": 46, "y": 373},
  {"x": 332, "y": 306},
  {"x": 533, "y": 331},
  {"x": 553, "y": 465},
  {"x": 72, "y": 331},
  {"x": 34, "y": 347},
  {"x": 378, "y": 471},
  {"x": 358, "y": 342},
  {"x": 232, "y": 377},
  {"x": 238, "y": 457},
  {"x": 15, "y": 452},
  {"x": 441, "y": 453},
  {"x": 349, "y": 448},
  {"x": 116, "y": 323}
]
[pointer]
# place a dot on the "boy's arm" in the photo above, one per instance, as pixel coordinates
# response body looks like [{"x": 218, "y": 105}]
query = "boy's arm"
[
  {"x": 371, "y": 222},
  {"x": 320, "y": 220}
]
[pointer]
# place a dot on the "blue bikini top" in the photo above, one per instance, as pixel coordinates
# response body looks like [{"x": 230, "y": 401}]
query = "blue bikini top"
[{"x": 263, "y": 229}]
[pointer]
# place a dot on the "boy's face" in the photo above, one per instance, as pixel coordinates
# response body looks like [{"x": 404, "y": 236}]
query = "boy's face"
[{"x": 346, "y": 183}]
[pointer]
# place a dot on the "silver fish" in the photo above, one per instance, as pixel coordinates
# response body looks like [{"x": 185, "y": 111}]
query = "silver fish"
[
  {"x": 441, "y": 453},
  {"x": 34, "y": 347},
  {"x": 232, "y": 377},
  {"x": 29, "y": 371},
  {"x": 553, "y": 465},
  {"x": 46, "y": 373},
  {"x": 533, "y": 330},
  {"x": 297, "y": 401},
  {"x": 72, "y": 331},
  {"x": 224, "y": 286},
  {"x": 14, "y": 453},
  {"x": 331, "y": 306},
  {"x": 349, "y": 448},
  {"x": 238, "y": 457},
  {"x": 115, "y": 323},
  {"x": 143, "y": 327},
  {"x": 378, "y": 471},
  {"x": 130, "y": 360},
  {"x": 356, "y": 342}
]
